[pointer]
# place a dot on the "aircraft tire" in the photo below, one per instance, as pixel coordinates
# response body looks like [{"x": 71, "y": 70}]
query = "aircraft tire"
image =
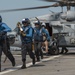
[{"x": 54, "y": 50}]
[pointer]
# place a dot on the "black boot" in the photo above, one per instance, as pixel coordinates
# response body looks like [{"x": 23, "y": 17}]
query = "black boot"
[
  {"x": 13, "y": 62},
  {"x": 41, "y": 56},
  {"x": 0, "y": 63},
  {"x": 38, "y": 59},
  {"x": 24, "y": 65},
  {"x": 47, "y": 54},
  {"x": 66, "y": 51},
  {"x": 62, "y": 51},
  {"x": 33, "y": 61}
]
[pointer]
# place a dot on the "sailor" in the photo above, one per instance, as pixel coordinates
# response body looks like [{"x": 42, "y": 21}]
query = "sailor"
[
  {"x": 46, "y": 43},
  {"x": 4, "y": 45},
  {"x": 38, "y": 39},
  {"x": 26, "y": 33},
  {"x": 64, "y": 50}
]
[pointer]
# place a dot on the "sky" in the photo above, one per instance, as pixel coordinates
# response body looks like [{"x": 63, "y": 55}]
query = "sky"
[{"x": 11, "y": 18}]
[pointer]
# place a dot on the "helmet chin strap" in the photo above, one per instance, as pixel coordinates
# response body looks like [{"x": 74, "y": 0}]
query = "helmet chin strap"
[{"x": 0, "y": 19}]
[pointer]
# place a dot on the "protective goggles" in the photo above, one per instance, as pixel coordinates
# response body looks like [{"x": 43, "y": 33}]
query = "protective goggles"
[
  {"x": 24, "y": 22},
  {"x": 36, "y": 23}
]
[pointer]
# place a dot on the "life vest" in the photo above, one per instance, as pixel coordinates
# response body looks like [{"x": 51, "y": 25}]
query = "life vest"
[
  {"x": 38, "y": 35},
  {"x": 26, "y": 31}
]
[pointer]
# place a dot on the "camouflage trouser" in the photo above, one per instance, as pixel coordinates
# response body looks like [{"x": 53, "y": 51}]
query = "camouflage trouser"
[
  {"x": 0, "y": 56},
  {"x": 27, "y": 48},
  {"x": 6, "y": 51},
  {"x": 2, "y": 48},
  {"x": 38, "y": 50}
]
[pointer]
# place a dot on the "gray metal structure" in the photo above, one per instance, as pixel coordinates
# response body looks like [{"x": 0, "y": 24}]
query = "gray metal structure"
[{"x": 61, "y": 25}]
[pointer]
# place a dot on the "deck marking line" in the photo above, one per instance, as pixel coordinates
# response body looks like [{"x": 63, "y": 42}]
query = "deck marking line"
[{"x": 29, "y": 64}]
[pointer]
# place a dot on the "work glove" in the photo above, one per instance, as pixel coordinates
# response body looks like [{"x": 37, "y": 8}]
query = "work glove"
[{"x": 22, "y": 33}]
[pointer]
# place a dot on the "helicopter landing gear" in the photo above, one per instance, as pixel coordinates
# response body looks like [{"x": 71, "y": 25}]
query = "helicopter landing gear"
[{"x": 54, "y": 50}]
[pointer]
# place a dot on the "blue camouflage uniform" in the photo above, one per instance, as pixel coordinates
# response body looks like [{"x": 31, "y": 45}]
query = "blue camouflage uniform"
[
  {"x": 38, "y": 39},
  {"x": 3, "y": 34},
  {"x": 29, "y": 34},
  {"x": 4, "y": 28},
  {"x": 27, "y": 44},
  {"x": 3, "y": 42},
  {"x": 39, "y": 33}
]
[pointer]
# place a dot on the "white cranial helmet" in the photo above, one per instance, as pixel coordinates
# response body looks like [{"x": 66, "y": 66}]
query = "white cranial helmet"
[
  {"x": 43, "y": 24},
  {"x": 37, "y": 22}
]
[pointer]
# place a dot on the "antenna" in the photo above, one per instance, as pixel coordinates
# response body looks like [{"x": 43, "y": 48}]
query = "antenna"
[{"x": 51, "y": 11}]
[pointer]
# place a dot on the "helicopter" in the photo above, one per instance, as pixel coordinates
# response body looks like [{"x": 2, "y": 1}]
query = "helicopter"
[
  {"x": 14, "y": 37},
  {"x": 60, "y": 25}
]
